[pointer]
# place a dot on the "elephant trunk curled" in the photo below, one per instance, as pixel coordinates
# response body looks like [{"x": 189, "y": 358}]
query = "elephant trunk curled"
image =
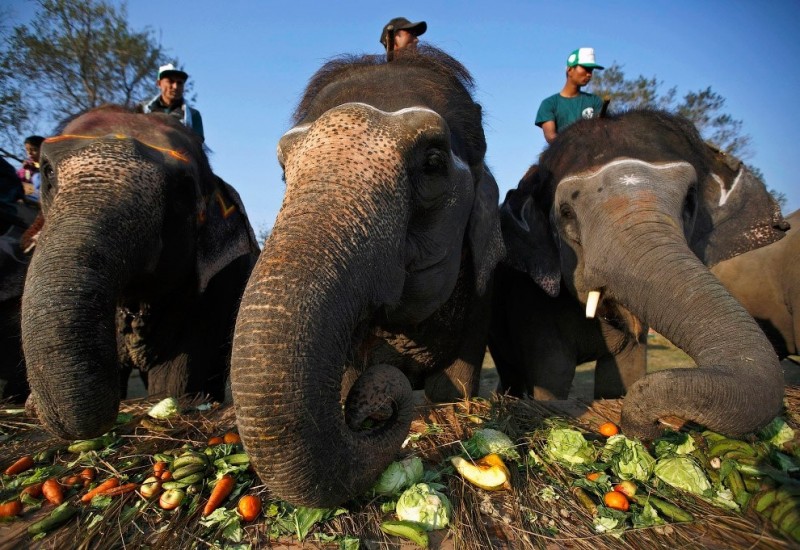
[
  {"x": 738, "y": 386},
  {"x": 95, "y": 235}
]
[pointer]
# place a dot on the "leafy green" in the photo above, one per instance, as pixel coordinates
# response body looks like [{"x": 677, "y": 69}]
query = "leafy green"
[
  {"x": 425, "y": 505},
  {"x": 608, "y": 520},
  {"x": 777, "y": 432},
  {"x": 683, "y": 472},
  {"x": 673, "y": 443},
  {"x": 286, "y": 519},
  {"x": 227, "y": 521},
  {"x": 399, "y": 476},
  {"x": 628, "y": 458},
  {"x": 487, "y": 441},
  {"x": 568, "y": 447},
  {"x": 165, "y": 408}
]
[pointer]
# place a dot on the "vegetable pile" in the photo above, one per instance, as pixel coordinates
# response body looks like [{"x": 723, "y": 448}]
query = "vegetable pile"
[{"x": 476, "y": 474}]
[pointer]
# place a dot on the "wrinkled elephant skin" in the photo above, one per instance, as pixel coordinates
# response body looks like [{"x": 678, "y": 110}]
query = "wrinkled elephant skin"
[
  {"x": 141, "y": 262},
  {"x": 374, "y": 280},
  {"x": 636, "y": 220}
]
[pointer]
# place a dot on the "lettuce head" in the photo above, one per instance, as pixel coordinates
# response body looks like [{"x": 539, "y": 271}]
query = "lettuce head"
[
  {"x": 399, "y": 476},
  {"x": 425, "y": 505},
  {"x": 628, "y": 458}
]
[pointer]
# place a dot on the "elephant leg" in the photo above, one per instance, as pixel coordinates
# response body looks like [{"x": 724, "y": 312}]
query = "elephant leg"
[
  {"x": 458, "y": 381},
  {"x": 169, "y": 378}
]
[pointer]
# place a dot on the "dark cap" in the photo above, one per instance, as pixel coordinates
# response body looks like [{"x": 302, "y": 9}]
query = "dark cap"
[{"x": 403, "y": 24}]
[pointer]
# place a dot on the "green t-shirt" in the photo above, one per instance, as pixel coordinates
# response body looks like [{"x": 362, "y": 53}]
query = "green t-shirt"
[{"x": 566, "y": 110}]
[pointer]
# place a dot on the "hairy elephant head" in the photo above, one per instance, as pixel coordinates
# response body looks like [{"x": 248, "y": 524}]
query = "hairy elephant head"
[
  {"x": 632, "y": 207},
  {"x": 133, "y": 213},
  {"x": 388, "y": 207}
]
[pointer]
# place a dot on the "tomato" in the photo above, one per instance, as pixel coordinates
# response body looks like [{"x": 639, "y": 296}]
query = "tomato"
[
  {"x": 616, "y": 500},
  {"x": 608, "y": 429}
]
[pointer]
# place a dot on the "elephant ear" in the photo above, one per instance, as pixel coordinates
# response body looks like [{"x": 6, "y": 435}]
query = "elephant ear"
[
  {"x": 483, "y": 232},
  {"x": 224, "y": 231},
  {"x": 737, "y": 213},
  {"x": 529, "y": 239}
]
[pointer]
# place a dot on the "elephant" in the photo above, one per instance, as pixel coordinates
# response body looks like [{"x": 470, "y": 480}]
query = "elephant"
[
  {"x": 375, "y": 280},
  {"x": 633, "y": 207},
  {"x": 141, "y": 262},
  {"x": 766, "y": 281}
]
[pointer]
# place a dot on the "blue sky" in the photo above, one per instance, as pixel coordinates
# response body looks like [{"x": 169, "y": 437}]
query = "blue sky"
[{"x": 250, "y": 60}]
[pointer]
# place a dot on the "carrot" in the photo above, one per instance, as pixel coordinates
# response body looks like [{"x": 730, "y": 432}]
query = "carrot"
[
  {"x": 110, "y": 483},
  {"x": 121, "y": 490},
  {"x": 20, "y": 465},
  {"x": 52, "y": 491},
  {"x": 11, "y": 508},
  {"x": 231, "y": 437},
  {"x": 221, "y": 490},
  {"x": 34, "y": 490},
  {"x": 88, "y": 474},
  {"x": 159, "y": 468}
]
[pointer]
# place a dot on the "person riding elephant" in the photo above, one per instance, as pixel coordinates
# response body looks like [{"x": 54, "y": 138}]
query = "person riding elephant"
[
  {"x": 375, "y": 279},
  {"x": 766, "y": 281},
  {"x": 631, "y": 222},
  {"x": 141, "y": 261}
]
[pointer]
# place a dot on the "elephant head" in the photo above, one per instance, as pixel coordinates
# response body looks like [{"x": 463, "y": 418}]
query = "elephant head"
[
  {"x": 633, "y": 206},
  {"x": 381, "y": 251},
  {"x": 135, "y": 221}
]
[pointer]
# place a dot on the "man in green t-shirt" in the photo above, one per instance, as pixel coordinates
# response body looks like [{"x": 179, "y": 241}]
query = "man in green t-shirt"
[{"x": 570, "y": 104}]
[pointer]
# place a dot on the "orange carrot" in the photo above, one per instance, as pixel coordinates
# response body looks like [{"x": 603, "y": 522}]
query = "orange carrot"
[
  {"x": 231, "y": 437},
  {"x": 20, "y": 465},
  {"x": 52, "y": 491},
  {"x": 122, "y": 489},
  {"x": 11, "y": 508},
  {"x": 88, "y": 474},
  {"x": 159, "y": 468},
  {"x": 220, "y": 492},
  {"x": 34, "y": 490},
  {"x": 110, "y": 483}
]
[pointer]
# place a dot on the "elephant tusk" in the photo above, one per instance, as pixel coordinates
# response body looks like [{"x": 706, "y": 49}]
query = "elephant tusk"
[{"x": 591, "y": 303}]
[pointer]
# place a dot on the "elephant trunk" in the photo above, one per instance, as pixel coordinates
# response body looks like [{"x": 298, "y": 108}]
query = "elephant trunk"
[
  {"x": 97, "y": 233},
  {"x": 738, "y": 386},
  {"x": 313, "y": 292}
]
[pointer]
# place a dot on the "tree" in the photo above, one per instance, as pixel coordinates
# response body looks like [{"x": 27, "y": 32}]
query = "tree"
[
  {"x": 704, "y": 108},
  {"x": 82, "y": 54}
]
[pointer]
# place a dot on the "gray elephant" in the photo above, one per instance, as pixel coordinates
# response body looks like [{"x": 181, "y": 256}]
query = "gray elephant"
[
  {"x": 141, "y": 262},
  {"x": 375, "y": 278},
  {"x": 766, "y": 282},
  {"x": 630, "y": 208}
]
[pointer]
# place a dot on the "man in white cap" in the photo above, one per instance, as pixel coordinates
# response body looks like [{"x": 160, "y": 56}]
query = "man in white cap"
[
  {"x": 171, "y": 82},
  {"x": 401, "y": 33},
  {"x": 570, "y": 104}
]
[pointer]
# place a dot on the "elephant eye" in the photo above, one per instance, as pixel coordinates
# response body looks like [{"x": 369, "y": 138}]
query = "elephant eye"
[
  {"x": 47, "y": 170},
  {"x": 566, "y": 212},
  {"x": 435, "y": 162}
]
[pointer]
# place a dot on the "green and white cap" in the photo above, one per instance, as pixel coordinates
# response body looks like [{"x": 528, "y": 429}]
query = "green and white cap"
[{"x": 583, "y": 57}]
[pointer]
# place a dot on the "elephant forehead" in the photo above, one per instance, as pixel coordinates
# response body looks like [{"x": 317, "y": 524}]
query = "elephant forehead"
[
  {"x": 628, "y": 172},
  {"x": 124, "y": 167}
]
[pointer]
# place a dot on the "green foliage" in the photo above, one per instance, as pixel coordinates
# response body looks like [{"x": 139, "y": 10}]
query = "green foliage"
[
  {"x": 703, "y": 107},
  {"x": 74, "y": 55}
]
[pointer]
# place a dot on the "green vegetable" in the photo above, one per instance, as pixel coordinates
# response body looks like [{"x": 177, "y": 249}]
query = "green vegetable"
[
  {"x": 487, "y": 441},
  {"x": 682, "y": 472},
  {"x": 423, "y": 504},
  {"x": 408, "y": 530},
  {"x": 628, "y": 458},
  {"x": 399, "y": 476},
  {"x": 164, "y": 408},
  {"x": 777, "y": 432},
  {"x": 58, "y": 516},
  {"x": 673, "y": 443},
  {"x": 568, "y": 447}
]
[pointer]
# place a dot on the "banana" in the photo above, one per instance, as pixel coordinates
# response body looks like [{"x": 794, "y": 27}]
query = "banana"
[
  {"x": 406, "y": 529},
  {"x": 666, "y": 508},
  {"x": 190, "y": 458},
  {"x": 795, "y": 534},
  {"x": 197, "y": 477},
  {"x": 237, "y": 459},
  {"x": 184, "y": 471},
  {"x": 719, "y": 448},
  {"x": 790, "y": 521},
  {"x": 736, "y": 485},
  {"x": 86, "y": 445},
  {"x": 781, "y": 509},
  {"x": 763, "y": 500},
  {"x": 168, "y": 485},
  {"x": 785, "y": 492}
]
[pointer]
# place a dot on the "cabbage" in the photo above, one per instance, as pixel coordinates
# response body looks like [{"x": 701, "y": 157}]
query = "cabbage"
[
  {"x": 487, "y": 441},
  {"x": 673, "y": 443},
  {"x": 628, "y": 458},
  {"x": 399, "y": 476},
  {"x": 568, "y": 447},
  {"x": 682, "y": 472},
  {"x": 425, "y": 505},
  {"x": 164, "y": 408},
  {"x": 777, "y": 432}
]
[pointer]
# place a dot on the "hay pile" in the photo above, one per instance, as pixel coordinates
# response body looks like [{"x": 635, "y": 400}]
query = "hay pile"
[{"x": 524, "y": 517}]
